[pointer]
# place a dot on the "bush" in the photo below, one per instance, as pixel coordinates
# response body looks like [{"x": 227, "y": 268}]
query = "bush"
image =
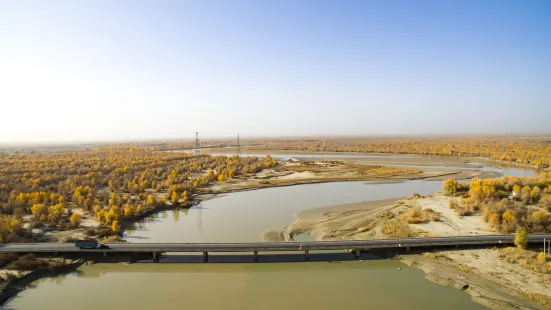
[
  {"x": 542, "y": 258},
  {"x": 521, "y": 238},
  {"x": 29, "y": 262},
  {"x": 100, "y": 232},
  {"x": 367, "y": 227},
  {"x": 6, "y": 258},
  {"x": 526, "y": 259},
  {"x": 416, "y": 216},
  {"x": 395, "y": 229}
]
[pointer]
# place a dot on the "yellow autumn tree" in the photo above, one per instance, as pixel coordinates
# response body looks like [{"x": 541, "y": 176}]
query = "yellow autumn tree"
[
  {"x": 75, "y": 219},
  {"x": 174, "y": 197},
  {"x": 521, "y": 238},
  {"x": 450, "y": 186},
  {"x": 128, "y": 210},
  {"x": 115, "y": 226}
]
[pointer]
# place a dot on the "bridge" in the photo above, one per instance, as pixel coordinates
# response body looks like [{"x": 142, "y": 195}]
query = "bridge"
[{"x": 356, "y": 246}]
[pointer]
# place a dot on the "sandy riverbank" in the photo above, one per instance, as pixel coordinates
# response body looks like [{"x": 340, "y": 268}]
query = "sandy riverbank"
[
  {"x": 388, "y": 158},
  {"x": 490, "y": 280}
]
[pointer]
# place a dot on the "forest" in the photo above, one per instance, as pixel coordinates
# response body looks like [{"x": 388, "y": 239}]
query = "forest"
[
  {"x": 505, "y": 204},
  {"x": 112, "y": 182},
  {"x": 530, "y": 151}
]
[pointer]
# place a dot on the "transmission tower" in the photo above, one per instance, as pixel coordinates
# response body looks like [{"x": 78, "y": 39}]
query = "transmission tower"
[
  {"x": 238, "y": 149},
  {"x": 196, "y": 152}
]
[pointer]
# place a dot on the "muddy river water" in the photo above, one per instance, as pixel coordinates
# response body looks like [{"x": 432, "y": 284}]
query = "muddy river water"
[{"x": 243, "y": 216}]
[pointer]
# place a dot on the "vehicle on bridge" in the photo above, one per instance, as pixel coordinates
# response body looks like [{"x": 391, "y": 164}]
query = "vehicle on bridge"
[{"x": 90, "y": 244}]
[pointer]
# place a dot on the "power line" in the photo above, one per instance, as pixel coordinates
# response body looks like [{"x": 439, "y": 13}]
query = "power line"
[
  {"x": 196, "y": 152},
  {"x": 238, "y": 147}
]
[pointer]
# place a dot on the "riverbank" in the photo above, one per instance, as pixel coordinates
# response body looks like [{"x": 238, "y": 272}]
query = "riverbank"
[
  {"x": 20, "y": 280},
  {"x": 461, "y": 161},
  {"x": 489, "y": 279},
  {"x": 291, "y": 173},
  {"x": 482, "y": 290}
]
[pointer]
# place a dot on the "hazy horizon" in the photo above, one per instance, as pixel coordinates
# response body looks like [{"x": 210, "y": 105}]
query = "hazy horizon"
[{"x": 102, "y": 71}]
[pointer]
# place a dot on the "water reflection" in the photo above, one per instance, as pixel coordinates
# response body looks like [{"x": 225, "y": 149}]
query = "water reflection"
[
  {"x": 175, "y": 215},
  {"x": 315, "y": 285}
]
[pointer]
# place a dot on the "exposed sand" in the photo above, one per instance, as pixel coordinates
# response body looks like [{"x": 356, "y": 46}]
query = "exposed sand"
[
  {"x": 495, "y": 295},
  {"x": 334, "y": 222},
  {"x": 450, "y": 223},
  {"x": 490, "y": 281},
  {"x": 487, "y": 262}
]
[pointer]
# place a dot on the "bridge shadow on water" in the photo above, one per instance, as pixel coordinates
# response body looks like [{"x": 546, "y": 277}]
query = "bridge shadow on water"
[{"x": 332, "y": 257}]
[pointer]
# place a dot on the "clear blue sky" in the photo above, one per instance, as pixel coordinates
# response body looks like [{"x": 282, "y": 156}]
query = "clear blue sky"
[{"x": 110, "y": 70}]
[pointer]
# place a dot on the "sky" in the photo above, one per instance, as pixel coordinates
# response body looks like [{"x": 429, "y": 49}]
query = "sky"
[{"x": 106, "y": 70}]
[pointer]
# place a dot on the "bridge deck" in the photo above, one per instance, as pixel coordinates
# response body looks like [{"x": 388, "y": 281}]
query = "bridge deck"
[{"x": 272, "y": 246}]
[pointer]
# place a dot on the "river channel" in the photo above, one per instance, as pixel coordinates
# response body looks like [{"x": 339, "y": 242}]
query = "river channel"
[{"x": 242, "y": 217}]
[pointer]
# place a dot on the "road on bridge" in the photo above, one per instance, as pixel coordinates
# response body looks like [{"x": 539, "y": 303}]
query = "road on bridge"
[{"x": 272, "y": 246}]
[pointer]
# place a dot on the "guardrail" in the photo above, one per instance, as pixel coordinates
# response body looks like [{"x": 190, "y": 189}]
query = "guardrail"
[{"x": 355, "y": 245}]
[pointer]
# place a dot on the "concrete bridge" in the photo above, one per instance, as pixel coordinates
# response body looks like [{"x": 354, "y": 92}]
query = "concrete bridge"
[{"x": 155, "y": 250}]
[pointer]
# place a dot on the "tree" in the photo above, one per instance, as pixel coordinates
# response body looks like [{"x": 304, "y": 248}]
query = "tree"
[
  {"x": 75, "y": 219},
  {"x": 516, "y": 191},
  {"x": 128, "y": 210},
  {"x": 521, "y": 238},
  {"x": 494, "y": 220},
  {"x": 525, "y": 194},
  {"x": 545, "y": 202},
  {"x": 222, "y": 178},
  {"x": 174, "y": 197},
  {"x": 535, "y": 194},
  {"x": 115, "y": 226},
  {"x": 542, "y": 258},
  {"x": 450, "y": 186},
  {"x": 508, "y": 217}
]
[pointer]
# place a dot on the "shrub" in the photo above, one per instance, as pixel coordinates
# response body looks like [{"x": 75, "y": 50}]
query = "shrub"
[
  {"x": 6, "y": 258},
  {"x": 29, "y": 262},
  {"x": 416, "y": 216},
  {"x": 521, "y": 238},
  {"x": 367, "y": 227},
  {"x": 542, "y": 258},
  {"x": 395, "y": 229}
]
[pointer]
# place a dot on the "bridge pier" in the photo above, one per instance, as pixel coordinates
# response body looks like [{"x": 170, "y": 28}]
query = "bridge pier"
[
  {"x": 306, "y": 254},
  {"x": 156, "y": 257},
  {"x": 205, "y": 257},
  {"x": 256, "y": 256},
  {"x": 357, "y": 254},
  {"x": 104, "y": 253},
  {"x": 407, "y": 249}
]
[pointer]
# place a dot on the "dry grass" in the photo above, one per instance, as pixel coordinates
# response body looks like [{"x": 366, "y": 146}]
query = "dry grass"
[
  {"x": 445, "y": 260},
  {"x": 31, "y": 262},
  {"x": 366, "y": 227},
  {"x": 6, "y": 258},
  {"x": 354, "y": 170},
  {"x": 420, "y": 216},
  {"x": 526, "y": 259},
  {"x": 464, "y": 268},
  {"x": 113, "y": 239},
  {"x": 541, "y": 299},
  {"x": 395, "y": 229},
  {"x": 436, "y": 256},
  {"x": 460, "y": 209}
]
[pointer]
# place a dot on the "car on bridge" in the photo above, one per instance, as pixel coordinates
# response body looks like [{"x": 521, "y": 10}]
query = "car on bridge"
[{"x": 90, "y": 244}]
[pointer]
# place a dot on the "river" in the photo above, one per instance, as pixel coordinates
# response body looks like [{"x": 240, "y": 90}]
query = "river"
[{"x": 243, "y": 216}]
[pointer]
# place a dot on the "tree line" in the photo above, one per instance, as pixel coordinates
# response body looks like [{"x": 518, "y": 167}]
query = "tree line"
[
  {"x": 112, "y": 183},
  {"x": 530, "y": 151}
]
